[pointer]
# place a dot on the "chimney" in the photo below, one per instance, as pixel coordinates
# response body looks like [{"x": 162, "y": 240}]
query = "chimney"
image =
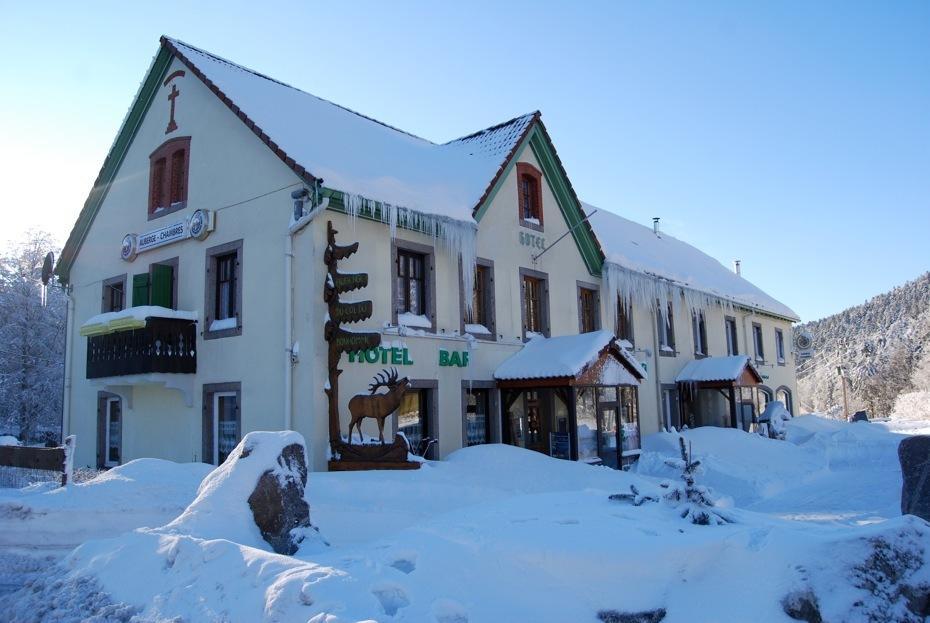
[
  {"x": 655, "y": 225},
  {"x": 736, "y": 268}
]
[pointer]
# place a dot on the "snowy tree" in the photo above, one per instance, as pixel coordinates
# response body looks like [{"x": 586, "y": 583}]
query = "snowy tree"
[
  {"x": 691, "y": 501},
  {"x": 32, "y": 338}
]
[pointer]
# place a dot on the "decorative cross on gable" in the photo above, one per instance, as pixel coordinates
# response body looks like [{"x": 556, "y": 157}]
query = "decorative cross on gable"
[{"x": 172, "y": 96}]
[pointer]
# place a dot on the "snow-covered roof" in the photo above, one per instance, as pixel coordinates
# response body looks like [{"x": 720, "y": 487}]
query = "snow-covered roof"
[
  {"x": 559, "y": 357},
  {"x": 358, "y": 155},
  {"x": 712, "y": 369},
  {"x": 634, "y": 247}
]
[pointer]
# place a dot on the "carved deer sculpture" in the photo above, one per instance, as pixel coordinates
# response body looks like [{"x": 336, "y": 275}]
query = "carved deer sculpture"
[{"x": 377, "y": 406}]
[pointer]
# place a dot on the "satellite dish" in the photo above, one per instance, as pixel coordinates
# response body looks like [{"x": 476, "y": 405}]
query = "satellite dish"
[{"x": 47, "y": 267}]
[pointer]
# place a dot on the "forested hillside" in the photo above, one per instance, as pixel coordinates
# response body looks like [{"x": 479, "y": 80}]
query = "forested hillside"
[{"x": 884, "y": 344}]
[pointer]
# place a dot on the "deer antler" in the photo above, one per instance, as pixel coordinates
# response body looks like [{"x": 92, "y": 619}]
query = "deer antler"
[
  {"x": 392, "y": 377},
  {"x": 381, "y": 379}
]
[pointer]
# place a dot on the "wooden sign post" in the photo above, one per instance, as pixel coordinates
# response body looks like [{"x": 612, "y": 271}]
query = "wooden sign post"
[{"x": 346, "y": 455}]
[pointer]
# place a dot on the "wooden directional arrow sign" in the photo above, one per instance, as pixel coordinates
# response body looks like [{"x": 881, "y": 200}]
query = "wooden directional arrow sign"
[
  {"x": 346, "y": 282},
  {"x": 349, "y": 341},
  {"x": 339, "y": 252},
  {"x": 349, "y": 312}
]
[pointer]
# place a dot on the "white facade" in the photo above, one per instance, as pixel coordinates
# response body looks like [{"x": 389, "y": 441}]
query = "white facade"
[{"x": 247, "y": 187}]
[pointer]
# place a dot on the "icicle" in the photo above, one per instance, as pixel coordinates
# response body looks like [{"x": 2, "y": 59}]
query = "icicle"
[
  {"x": 640, "y": 289},
  {"x": 459, "y": 238}
]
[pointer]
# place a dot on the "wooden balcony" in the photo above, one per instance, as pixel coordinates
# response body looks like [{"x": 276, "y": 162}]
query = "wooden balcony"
[{"x": 165, "y": 345}]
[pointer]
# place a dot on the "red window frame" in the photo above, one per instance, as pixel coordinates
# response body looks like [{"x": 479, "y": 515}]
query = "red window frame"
[
  {"x": 169, "y": 171},
  {"x": 529, "y": 193}
]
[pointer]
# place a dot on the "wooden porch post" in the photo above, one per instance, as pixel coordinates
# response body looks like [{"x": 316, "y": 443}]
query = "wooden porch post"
[
  {"x": 572, "y": 423},
  {"x": 733, "y": 406}
]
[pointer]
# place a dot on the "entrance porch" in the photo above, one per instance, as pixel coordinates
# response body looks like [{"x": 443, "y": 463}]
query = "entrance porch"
[
  {"x": 719, "y": 391},
  {"x": 573, "y": 397}
]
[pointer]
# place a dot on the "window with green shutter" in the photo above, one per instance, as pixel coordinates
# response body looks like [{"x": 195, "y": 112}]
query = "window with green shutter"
[
  {"x": 140, "y": 290},
  {"x": 163, "y": 285}
]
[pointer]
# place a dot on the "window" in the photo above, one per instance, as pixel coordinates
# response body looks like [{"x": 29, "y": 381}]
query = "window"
[
  {"x": 589, "y": 308},
  {"x": 413, "y": 420},
  {"x": 730, "y": 330},
  {"x": 414, "y": 285},
  {"x": 222, "y": 420},
  {"x": 529, "y": 196},
  {"x": 780, "y": 346},
  {"x": 625, "y": 320},
  {"x": 534, "y": 303},
  {"x": 480, "y": 321},
  {"x": 784, "y": 395},
  {"x": 671, "y": 409},
  {"x": 225, "y": 299},
  {"x": 477, "y": 420},
  {"x": 113, "y": 297},
  {"x": 109, "y": 430},
  {"x": 168, "y": 175},
  {"x": 757, "y": 341},
  {"x": 223, "y": 291},
  {"x": 665, "y": 326},
  {"x": 699, "y": 332}
]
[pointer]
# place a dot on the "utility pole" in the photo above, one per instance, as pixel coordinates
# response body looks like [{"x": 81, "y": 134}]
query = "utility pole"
[{"x": 841, "y": 371}]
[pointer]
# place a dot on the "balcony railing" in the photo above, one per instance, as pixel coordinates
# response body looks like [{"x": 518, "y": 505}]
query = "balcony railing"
[{"x": 163, "y": 345}]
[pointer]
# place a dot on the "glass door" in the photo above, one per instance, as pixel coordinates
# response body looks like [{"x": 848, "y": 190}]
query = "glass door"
[
  {"x": 225, "y": 424},
  {"x": 477, "y": 430},
  {"x": 608, "y": 447},
  {"x": 114, "y": 433}
]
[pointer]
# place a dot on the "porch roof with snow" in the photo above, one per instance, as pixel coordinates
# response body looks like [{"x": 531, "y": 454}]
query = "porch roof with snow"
[
  {"x": 716, "y": 371},
  {"x": 667, "y": 261},
  {"x": 587, "y": 359}
]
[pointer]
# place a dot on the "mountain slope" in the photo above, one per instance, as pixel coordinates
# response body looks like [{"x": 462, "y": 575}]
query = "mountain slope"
[{"x": 878, "y": 342}]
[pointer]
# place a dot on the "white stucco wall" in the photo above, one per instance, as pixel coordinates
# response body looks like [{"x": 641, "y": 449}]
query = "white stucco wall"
[{"x": 227, "y": 165}]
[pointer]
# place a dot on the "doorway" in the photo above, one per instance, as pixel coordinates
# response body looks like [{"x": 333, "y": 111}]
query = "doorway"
[
  {"x": 113, "y": 432},
  {"x": 225, "y": 424}
]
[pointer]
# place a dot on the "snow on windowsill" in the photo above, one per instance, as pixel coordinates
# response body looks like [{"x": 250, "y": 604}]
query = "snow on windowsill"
[
  {"x": 477, "y": 329},
  {"x": 413, "y": 320},
  {"x": 224, "y": 324}
]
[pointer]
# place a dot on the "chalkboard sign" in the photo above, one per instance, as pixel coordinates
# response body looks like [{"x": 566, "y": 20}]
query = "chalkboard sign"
[{"x": 559, "y": 445}]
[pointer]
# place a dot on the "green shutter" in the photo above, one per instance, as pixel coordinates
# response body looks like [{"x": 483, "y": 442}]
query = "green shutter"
[
  {"x": 162, "y": 285},
  {"x": 140, "y": 289}
]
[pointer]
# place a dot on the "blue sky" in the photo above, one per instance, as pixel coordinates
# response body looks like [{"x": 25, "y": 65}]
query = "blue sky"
[{"x": 792, "y": 135}]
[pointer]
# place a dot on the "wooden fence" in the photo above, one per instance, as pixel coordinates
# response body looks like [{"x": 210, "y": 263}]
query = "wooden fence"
[{"x": 60, "y": 459}]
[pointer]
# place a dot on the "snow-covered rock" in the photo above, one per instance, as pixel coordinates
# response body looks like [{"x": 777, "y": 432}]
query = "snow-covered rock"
[{"x": 223, "y": 508}]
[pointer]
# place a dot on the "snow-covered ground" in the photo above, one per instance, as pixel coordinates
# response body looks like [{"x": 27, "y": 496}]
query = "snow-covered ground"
[{"x": 495, "y": 533}]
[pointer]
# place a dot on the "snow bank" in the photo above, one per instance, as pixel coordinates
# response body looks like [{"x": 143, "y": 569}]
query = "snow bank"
[
  {"x": 505, "y": 534},
  {"x": 144, "y": 492},
  {"x": 221, "y": 509},
  {"x": 9, "y": 440},
  {"x": 826, "y": 470}
]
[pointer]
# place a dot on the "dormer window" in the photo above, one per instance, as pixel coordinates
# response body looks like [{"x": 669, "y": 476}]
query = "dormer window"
[
  {"x": 168, "y": 175},
  {"x": 529, "y": 196}
]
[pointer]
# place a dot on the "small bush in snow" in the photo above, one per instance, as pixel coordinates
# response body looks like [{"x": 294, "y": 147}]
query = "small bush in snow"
[{"x": 693, "y": 501}]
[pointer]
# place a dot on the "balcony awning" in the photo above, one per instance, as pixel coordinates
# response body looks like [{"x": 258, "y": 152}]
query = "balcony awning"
[
  {"x": 719, "y": 371},
  {"x": 131, "y": 318},
  {"x": 587, "y": 359}
]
